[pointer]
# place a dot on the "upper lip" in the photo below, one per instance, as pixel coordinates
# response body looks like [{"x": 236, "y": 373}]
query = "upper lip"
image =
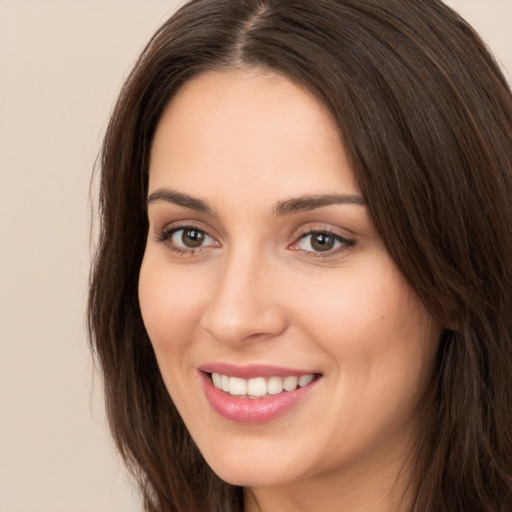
[{"x": 252, "y": 371}]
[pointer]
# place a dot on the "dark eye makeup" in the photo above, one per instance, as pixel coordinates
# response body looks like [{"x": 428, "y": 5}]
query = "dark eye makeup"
[
  {"x": 190, "y": 239},
  {"x": 186, "y": 239},
  {"x": 322, "y": 242}
]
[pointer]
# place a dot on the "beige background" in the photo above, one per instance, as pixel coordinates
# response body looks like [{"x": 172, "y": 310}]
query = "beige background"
[{"x": 61, "y": 65}]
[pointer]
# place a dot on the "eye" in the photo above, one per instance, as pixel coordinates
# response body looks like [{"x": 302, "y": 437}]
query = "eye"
[
  {"x": 321, "y": 242},
  {"x": 190, "y": 238},
  {"x": 187, "y": 239}
]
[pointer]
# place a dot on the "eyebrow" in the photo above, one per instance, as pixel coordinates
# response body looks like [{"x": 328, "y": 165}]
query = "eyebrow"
[
  {"x": 185, "y": 200},
  {"x": 281, "y": 208},
  {"x": 311, "y": 202}
]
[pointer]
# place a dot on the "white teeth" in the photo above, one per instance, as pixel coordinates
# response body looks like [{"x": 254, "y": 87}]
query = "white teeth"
[
  {"x": 259, "y": 386},
  {"x": 225, "y": 383},
  {"x": 304, "y": 380},
  {"x": 274, "y": 385},
  {"x": 290, "y": 383},
  {"x": 217, "y": 380},
  {"x": 237, "y": 386}
]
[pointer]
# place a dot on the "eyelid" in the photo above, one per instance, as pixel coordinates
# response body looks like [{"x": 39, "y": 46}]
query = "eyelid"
[
  {"x": 311, "y": 229},
  {"x": 165, "y": 235},
  {"x": 161, "y": 229}
]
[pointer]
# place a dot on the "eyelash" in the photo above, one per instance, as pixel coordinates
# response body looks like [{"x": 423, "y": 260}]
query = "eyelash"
[
  {"x": 346, "y": 243},
  {"x": 167, "y": 234}
]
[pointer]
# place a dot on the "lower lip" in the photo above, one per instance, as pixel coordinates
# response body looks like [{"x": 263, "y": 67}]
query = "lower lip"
[{"x": 253, "y": 410}]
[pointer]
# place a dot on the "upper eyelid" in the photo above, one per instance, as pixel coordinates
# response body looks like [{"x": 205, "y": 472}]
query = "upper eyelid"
[
  {"x": 170, "y": 228},
  {"x": 318, "y": 227},
  {"x": 337, "y": 236},
  {"x": 304, "y": 230},
  {"x": 168, "y": 231},
  {"x": 322, "y": 231},
  {"x": 165, "y": 237},
  {"x": 185, "y": 224},
  {"x": 172, "y": 232}
]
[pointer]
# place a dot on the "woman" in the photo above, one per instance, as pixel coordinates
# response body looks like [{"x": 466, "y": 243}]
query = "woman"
[{"x": 300, "y": 299}]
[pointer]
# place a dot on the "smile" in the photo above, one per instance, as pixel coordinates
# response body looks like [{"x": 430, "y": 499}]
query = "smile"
[
  {"x": 256, "y": 393},
  {"x": 260, "y": 386}
]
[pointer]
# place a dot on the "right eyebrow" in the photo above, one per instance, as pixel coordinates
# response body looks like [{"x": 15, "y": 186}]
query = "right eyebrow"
[
  {"x": 171, "y": 196},
  {"x": 312, "y": 202}
]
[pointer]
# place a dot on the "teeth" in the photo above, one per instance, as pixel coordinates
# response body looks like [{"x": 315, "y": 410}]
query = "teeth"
[
  {"x": 259, "y": 386},
  {"x": 217, "y": 380},
  {"x": 290, "y": 383},
  {"x": 237, "y": 386},
  {"x": 224, "y": 383},
  {"x": 274, "y": 385},
  {"x": 304, "y": 380}
]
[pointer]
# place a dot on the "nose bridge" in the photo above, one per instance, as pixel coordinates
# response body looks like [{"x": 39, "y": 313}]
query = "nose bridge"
[{"x": 243, "y": 304}]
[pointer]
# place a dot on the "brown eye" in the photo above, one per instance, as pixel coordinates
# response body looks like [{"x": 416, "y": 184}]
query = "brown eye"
[
  {"x": 322, "y": 242},
  {"x": 188, "y": 239},
  {"x": 192, "y": 238}
]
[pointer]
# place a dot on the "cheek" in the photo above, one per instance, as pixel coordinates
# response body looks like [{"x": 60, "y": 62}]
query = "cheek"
[
  {"x": 171, "y": 305},
  {"x": 344, "y": 312},
  {"x": 375, "y": 329}
]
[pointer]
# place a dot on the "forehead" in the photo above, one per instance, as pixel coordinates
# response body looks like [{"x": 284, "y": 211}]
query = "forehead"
[{"x": 226, "y": 131}]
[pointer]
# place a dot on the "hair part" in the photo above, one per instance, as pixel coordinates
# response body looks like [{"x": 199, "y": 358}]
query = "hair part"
[{"x": 426, "y": 119}]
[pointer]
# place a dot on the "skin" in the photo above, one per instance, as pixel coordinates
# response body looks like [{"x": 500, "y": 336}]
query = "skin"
[{"x": 256, "y": 291}]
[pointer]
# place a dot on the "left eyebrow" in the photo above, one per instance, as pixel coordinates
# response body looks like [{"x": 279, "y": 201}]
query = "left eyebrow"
[
  {"x": 179, "y": 198},
  {"x": 311, "y": 202}
]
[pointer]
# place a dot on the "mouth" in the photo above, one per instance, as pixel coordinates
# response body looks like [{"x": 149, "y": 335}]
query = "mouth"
[
  {"x": 259, "y": 387},
  {"x": 256, "y": 394}
]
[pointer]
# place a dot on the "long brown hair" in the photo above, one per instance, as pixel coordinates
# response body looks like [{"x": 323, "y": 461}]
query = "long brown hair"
[{"x": 426, "y": 118}]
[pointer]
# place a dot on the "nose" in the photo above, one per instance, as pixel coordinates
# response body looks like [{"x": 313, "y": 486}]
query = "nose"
[{"x": 244, "y": 306}]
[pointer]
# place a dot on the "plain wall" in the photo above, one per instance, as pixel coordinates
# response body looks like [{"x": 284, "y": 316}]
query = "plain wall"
[{"x": 61, "y": 66}]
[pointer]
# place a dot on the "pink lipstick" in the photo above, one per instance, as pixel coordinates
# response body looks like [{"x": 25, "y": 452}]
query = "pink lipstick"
[{"x": 255, "y": 393}]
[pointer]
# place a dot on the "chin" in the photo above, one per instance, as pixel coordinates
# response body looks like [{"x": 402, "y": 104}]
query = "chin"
[
  {"x": 254, "y": 473},
  {"x": 251, "y": 478}
]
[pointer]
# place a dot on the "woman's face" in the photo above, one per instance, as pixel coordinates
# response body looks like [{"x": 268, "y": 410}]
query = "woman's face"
[{"x": 264, "y": 273}]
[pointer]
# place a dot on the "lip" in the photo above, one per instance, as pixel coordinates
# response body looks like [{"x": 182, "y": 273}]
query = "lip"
[
  {"x": 253, "y": 410},
  {"x": 253, "y": 370}
]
